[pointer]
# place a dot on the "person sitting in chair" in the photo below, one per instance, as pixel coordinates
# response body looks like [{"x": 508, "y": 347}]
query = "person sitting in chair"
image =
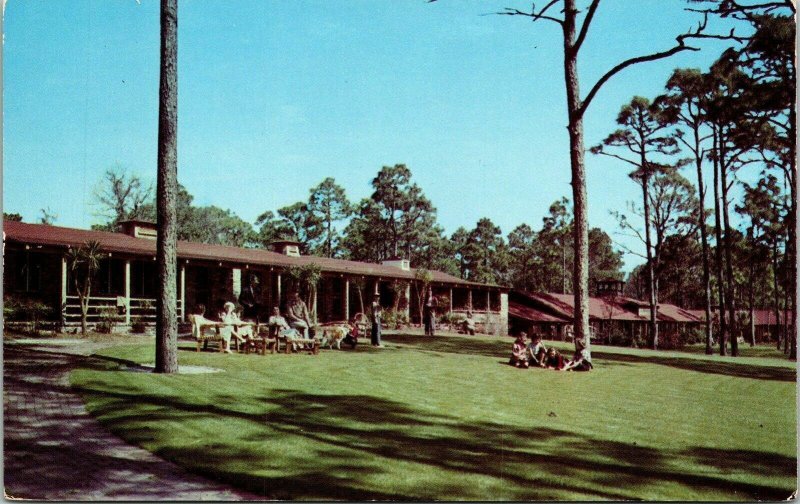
[
  {"x": 232, "y": 329},
  {"x": 297, "y": 314},
  {"x": 519, "y": 357},
  {"x": 283, "y": 328}
]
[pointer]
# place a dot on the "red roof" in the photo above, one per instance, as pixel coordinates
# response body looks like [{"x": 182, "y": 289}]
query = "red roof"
[
  {"x": 671, "y": 313},
  {"x": 40, "y": 234},
  {"x": 762, "y": 317},
  {"x": 519, "y": 310},
  {"x": 609, "y": 308}
]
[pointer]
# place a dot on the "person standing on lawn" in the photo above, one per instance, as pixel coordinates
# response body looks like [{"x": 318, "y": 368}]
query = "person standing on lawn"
[
  {"x": 429, "y": 314},
  {"x": 377, "y": 312},
  {"x": 249, "y": 298}
]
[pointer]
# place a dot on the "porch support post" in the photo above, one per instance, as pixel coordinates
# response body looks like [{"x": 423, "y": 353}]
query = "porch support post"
[
  {"x": 408, "y": 302},
  {"x": 236, "y": 282},
  {"x": 183, "y": 293},
  {"x": 314, "y": 305},
  {"x": 63, "y": 307},
  {"x": 488, "y": 307},
  {"x": 451, "y": 300},
  {"x": 127, "y": 292},
  {"x": 503, "y": 313},
  {"x": 278, "y": 281},
  {"x": 469, "y": 298},
  {"x": 347, "y": 299}
]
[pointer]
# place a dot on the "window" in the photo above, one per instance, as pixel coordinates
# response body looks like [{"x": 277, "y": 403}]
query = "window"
[
  {"x": 143, "y": 279},
  {"x": 108, "y": 280},
  {"x": 24, "y": 270},
  {"x": 494, "y": 299}
]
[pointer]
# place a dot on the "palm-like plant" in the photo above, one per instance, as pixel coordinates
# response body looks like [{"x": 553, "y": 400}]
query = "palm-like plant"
[{"x": 84, "y": 262}]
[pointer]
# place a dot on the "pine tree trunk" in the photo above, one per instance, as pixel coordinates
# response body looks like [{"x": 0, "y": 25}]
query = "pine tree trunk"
[
  {"x": 731, "y": 281},
  {"x": 651, "y": 278},
  {"x": 776, "y": 295},
  {"x": 788, "y": 334},
  {"x": 701, "y": 221},
  {"x": 580, "y": 205},
  {"x": 752, "y": 302},
  {"x": 791, "y": 250},
  {"x": 167, "y": 183},
  {"x": 723, "y": 326}
]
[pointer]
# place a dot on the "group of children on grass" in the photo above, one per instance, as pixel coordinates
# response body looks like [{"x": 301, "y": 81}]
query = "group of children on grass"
[{"x": 536, "y": 354}]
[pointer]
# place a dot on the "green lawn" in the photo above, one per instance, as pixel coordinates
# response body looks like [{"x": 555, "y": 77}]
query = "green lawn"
[{"x": 445, "y": 419}]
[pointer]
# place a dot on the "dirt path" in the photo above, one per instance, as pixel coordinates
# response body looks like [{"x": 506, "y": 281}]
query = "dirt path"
[{"x": 54, "y": 450}]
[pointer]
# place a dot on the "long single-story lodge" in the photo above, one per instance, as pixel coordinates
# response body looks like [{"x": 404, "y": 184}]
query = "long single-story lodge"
[{"x": 36, "y": 269}]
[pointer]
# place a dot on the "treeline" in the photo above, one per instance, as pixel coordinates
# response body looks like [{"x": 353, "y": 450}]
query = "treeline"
[
  {"x": 729, "y": 247},
  {"x": 396, "y": 220}
]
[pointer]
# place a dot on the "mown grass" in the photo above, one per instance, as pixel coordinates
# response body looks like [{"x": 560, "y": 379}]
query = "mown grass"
[{"x": 446, "y": 419}]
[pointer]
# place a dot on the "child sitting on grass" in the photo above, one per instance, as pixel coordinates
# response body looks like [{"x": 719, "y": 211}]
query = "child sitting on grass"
[
  {"x": 519, "y": 356},
  {"x": 536, "y": 351},
  {"x": 581, "y": 361},
  {"x": 554, "y": 360}
]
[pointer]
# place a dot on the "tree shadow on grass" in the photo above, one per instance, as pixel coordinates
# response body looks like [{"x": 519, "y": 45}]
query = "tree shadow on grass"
[
  {"x": 740, "y": 370},
  {"x": 356, "y": 440},
  {"x": 452, "y": 344}
]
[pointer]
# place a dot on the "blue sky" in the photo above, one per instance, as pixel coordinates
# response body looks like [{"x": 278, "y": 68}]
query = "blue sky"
[{"x": 274, "y": 96}]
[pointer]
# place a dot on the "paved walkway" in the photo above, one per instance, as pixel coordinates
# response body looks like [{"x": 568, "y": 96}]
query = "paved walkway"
[{"x": 54, "y": 450}]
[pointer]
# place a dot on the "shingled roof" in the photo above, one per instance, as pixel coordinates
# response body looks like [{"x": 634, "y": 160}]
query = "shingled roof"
[
  {"x": 604, "y": 308},
  {"x": 56, "y": 236}
]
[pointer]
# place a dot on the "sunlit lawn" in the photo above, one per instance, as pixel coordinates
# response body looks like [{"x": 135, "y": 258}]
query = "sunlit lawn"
[{"x": 445, "y": 419}]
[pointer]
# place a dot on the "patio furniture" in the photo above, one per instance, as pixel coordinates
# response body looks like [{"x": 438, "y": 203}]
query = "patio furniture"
[
  {"x": 310, "y": 344},
  {"x": 362, "y": 324},
  {"x": 263, "y": 339},
  {"x": 205, "y": 330}
]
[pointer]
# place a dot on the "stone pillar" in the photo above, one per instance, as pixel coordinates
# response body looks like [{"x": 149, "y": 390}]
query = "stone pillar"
[
  {"x": 183, "y": 293},
  {"x": 451, "y": 300},
  {"x": 408, "y": 302},
  {"x": 469, "y": 299},
  {"x": 236, "y": 285},
  {"x": 127, "y": 292},
  {"x": 504, "y": 314}
]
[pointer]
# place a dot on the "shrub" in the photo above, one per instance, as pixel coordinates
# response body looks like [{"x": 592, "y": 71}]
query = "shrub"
[
  {"x": 451, "y": 318},
  {"x": 28, "y": 310},
  {"x": 395, "y": 319},
  {"x": 138, "y": 325},
  {"x": 670, "y": 340},
  {"x": 11, "y": 308},
  {"x": 108, "y": 319}
]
